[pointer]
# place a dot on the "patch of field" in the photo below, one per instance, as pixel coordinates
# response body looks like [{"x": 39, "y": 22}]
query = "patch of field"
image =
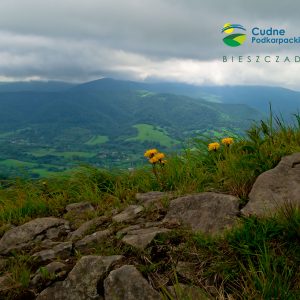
[
  {"x": 97, "y": 140},
  {"x": 14, "y": 163},
  {"x": 70, "y": 154},
  {"x": 149, "y": 133}
]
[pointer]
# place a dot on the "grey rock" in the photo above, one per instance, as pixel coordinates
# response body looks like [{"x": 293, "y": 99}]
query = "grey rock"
[
  {"x": 127, "y": 283},
  {"x": 62, "y": 251},
  {"x": 141, "y": 238},
  {"x": 83, "y": 281},
  {"x": 89, "y": 240},
  {"x": 80, "y": 207},
  {"x": 153, "y": 198},
  {"x": 26, "y": 235},
  {"x": 87, "y": 226},
  {"x": 54, "y": 270},
  {"x": 275, "y": 188},
  {"x": 207, "y": 212},
  {"x": 129, "y": 214}
]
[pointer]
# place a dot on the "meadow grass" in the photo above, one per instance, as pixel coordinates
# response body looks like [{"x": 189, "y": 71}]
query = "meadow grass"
[{"x": 259, "y": 259}]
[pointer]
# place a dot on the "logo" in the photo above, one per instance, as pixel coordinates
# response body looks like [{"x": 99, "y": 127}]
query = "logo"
[{"x": 233, "y": 39}]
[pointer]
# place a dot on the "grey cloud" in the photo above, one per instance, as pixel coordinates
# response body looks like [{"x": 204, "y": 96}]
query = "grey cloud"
[{"x": 80, "y": 40}]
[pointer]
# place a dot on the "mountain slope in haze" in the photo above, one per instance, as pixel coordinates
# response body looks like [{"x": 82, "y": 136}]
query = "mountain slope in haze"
[
  {"x": 284, "y": 101},
  {"x": 105, "y": 122}
]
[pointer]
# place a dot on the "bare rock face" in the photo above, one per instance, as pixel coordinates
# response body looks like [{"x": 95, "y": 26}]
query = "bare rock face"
[
  {"x": 141, "y": 238},
  {"x": 129, "y": 214},
  {"x": 26, "y": 235},
  {"x": 127, "y": 283},
  {"x": 83, "y": 282},
  {"x": 275, "y": 188},
  {"x": 207, "y": 212}
]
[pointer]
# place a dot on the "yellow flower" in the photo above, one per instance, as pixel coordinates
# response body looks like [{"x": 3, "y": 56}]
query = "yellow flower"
[
  {"x": 153, "y": 160},
  {"x": 159, "y": 156},
  {"x": 150, "y": 153},
  {"x": 227, "y": 141},
  {"x": 213, "y": 146}
]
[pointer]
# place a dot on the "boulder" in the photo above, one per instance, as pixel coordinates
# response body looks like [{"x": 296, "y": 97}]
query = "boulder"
[
  {"x": 62, "y": 251},
  {"x": 26, "y": 235},
  {"x": 83, "y": 282},
  {"x": 206, "y": 212},
  {"x": 275, "y": 188},
  {"x": 86, "y": 227},
  {"x": 89, "y": 240},
  {"x": 141, "y": 238},
  {"x": 129, "y": 214},
  {"x": 127, "y": 283}
]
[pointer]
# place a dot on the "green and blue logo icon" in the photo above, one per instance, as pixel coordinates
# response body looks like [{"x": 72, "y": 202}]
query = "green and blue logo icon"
[{"x": 233, "y": 39}]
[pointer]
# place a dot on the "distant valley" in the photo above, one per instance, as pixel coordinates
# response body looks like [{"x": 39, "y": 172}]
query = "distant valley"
[{"x": 49, "y": 127}]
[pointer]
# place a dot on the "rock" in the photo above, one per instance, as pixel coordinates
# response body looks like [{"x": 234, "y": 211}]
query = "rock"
[
  {"x": 62, "y": 251},
  {"x": 26, "y": 235},
  {"x": 206, "y": 212},
  {"x": 129, "y": 214},
  {"x": 80, "y": 207},
  {"x": 153, "y": 198},
  {"x": 127, "y": 283},
  {"x": 182, "y": 291},
  {"x": 54, "y": 270},
  {"x": 83, "y": 282},
  {"x": 275, "y": 188},
  {"x": 87, "y": 226},
  {"x": 141, "y": 238},
  {"x": 89, "y": 240}
]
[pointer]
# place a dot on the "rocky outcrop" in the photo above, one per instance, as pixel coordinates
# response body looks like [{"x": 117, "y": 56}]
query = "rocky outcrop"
[
  {"x": 206, "y": 212},
  {"x": 275, "y": 188},
  {"x": 28, "y": 234},
  {"x": 127, "y": 283},
  {"x": 83, "y": 281}
]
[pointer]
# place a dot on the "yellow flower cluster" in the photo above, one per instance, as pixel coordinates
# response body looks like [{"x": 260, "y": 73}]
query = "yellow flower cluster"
[
  {"x": 227, "y": 141},
  {"x": 155, "y": 156},
  {"x": 215, "y": 146},
  {"x": 150, "y": 153}
]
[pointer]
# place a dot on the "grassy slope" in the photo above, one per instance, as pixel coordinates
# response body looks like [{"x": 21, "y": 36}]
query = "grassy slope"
[
  {"x": 257, "y": 260},
  {"x": 149, "y": 133}
]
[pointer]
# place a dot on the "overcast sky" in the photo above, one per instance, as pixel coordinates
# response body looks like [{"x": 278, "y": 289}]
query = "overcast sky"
[{"x": 172, "y": 40}]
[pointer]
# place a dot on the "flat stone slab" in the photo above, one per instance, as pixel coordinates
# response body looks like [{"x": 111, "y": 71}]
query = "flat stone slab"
[
  {"x": 87, "y": 226},
  {"x": 62, "y": 251},
  {"x": 207, "y": 212},
  {"x": 26, "y": 235},
  {"x": 94, "y": 238},
  {"x": 127, "y": 283},
  {"x": 275, "y": 188},
  {"x": 153, "y": 198},
  {"x": 129, "y": 214},
  {"x": 141, "y": 238}
]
